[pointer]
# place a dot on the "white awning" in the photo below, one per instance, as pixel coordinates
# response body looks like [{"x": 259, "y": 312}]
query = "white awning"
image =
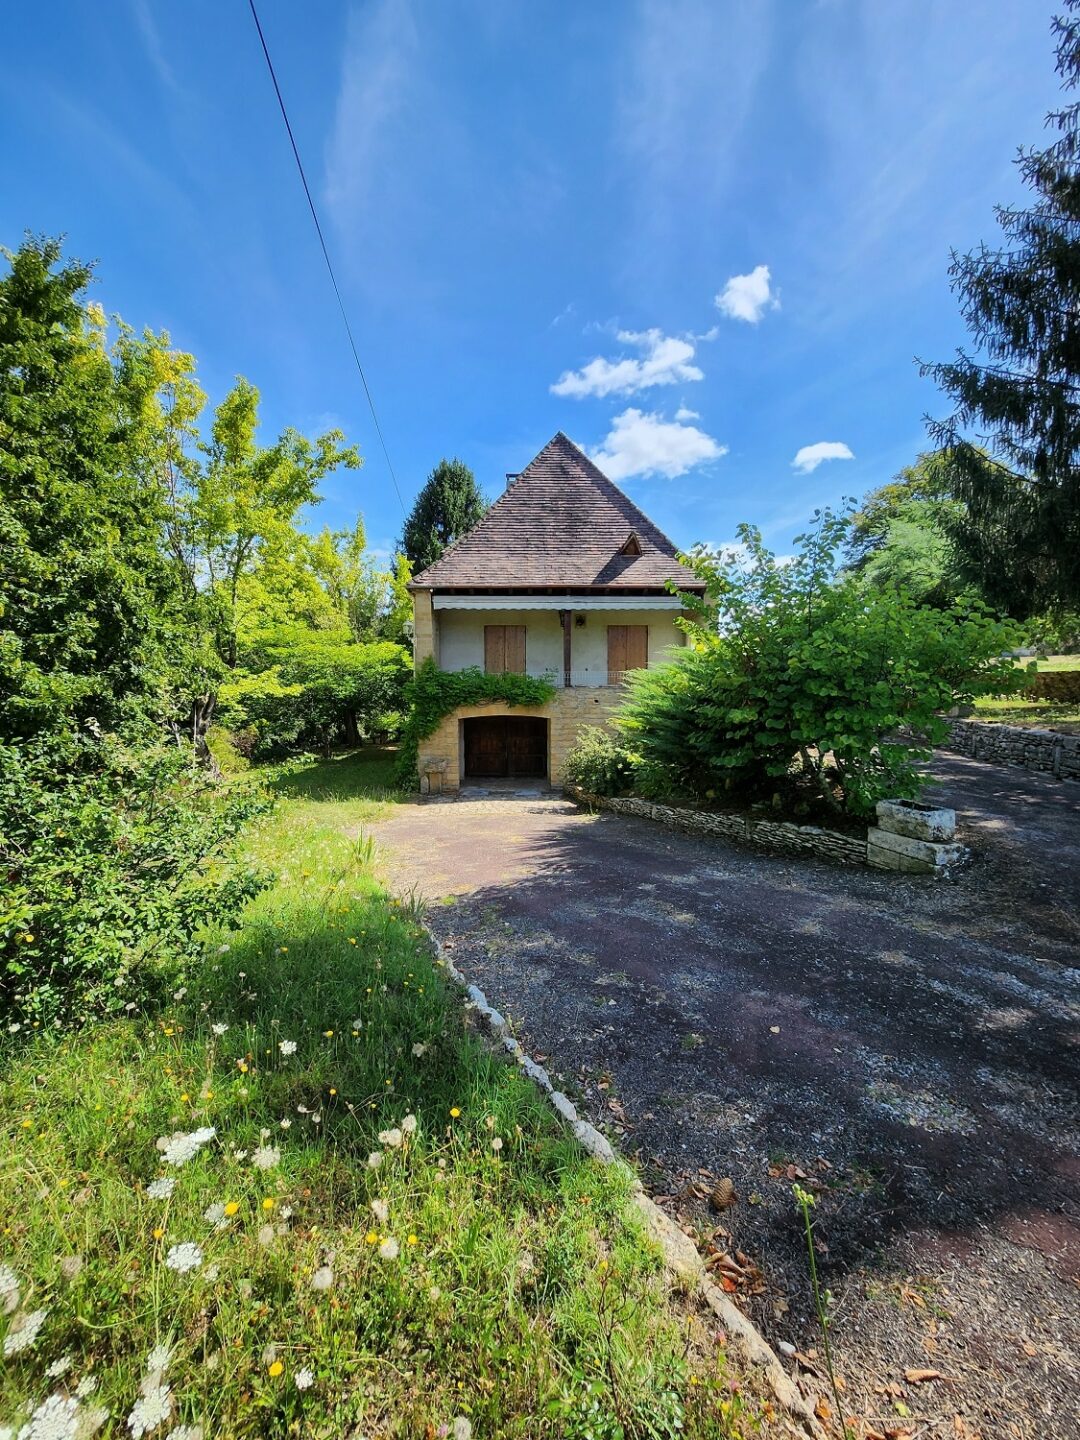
[{"x": 556, "y": 602}]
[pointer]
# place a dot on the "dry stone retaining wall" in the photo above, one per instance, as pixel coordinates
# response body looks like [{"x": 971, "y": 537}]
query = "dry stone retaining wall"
[
  {"x": 1049, "y": 752},
  {"x": 768, "y": 834}
]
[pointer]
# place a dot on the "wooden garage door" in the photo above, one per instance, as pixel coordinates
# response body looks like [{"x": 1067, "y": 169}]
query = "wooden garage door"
[
  {"x": 504, "y": 649},
  {"x": 505, "y": 745},
  {"x": 627, "y": 649}
]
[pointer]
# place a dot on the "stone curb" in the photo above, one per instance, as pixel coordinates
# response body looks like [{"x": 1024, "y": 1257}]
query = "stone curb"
[{"x": 681, "y": 1255}]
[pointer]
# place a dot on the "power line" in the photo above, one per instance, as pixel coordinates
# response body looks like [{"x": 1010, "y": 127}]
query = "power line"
[{"x": 325, "y": 252}]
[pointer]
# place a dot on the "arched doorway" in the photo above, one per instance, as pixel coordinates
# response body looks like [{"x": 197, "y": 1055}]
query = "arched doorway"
[{"x": 505, "y": 747}]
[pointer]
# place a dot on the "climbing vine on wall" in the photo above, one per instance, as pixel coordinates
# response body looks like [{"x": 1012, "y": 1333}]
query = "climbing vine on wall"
[{"x": 434, "y": 693}]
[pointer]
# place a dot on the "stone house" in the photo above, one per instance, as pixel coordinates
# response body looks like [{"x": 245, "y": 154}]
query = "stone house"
[{"x": 563, "y": 578}]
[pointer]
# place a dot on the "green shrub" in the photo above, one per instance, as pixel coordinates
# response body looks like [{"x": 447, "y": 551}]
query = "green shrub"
[
  {"x": 810, "y": 678},
  {"x": 318, "y": 688},
  {"x": 599, "y": 763},
  {"x": 115, "y": 863},
  {"x": 434, "y": 693}
]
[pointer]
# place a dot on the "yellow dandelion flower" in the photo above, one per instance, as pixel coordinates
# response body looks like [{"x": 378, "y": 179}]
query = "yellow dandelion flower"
[
  {"x": 185, "y": 1097},
  {"x": 26, "y": 1124},
  {"x": 332, "y": 1090},
  {"x": 412, "y": 1240},
  {"x": 371, "y": 1238},
  {"x": 275, "y": 1369},
  {"x": 231, "y": 1207},
  {"x": 454, "y": 1112},
  {"x": 158, "y": 1232},
  {"x": 268, "y": 1203}
]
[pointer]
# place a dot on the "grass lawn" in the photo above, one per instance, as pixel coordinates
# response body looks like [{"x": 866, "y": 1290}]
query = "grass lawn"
[
  {"x": 1045, "y": 714},
  {"x": 307, "y": 1200}
]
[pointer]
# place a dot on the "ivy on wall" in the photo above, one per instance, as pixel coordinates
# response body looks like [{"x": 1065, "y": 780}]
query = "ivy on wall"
[{"x": 435, "y": 693}]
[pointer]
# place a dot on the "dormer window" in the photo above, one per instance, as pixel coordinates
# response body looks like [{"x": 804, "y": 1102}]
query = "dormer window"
[{"x": 632, "y": 545}]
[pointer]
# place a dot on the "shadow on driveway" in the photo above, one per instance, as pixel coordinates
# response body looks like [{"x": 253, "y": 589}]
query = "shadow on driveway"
[{"x": 910, "y": 1045}]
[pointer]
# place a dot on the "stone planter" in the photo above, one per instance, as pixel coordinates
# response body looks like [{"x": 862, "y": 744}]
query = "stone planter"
[
  {"x": 917, "y": 821},
  {"x": 918, "y": 839}
]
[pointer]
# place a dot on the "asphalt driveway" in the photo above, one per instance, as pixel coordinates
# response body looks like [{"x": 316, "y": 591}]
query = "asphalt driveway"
[{"x": 907, "y": 1046}]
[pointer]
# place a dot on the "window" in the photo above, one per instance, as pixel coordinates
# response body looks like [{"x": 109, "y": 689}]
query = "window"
[
  {"x": 504, "y": 649},
  {"x": 627, "y": 649}
]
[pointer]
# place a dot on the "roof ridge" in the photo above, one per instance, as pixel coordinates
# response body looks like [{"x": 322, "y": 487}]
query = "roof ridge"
[{"x": 561, "y": 521}]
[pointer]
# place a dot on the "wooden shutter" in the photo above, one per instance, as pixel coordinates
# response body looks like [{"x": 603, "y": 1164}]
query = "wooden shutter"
[
  {"x": 628, "y": 649},
  {"x": 504, "y": 649}
]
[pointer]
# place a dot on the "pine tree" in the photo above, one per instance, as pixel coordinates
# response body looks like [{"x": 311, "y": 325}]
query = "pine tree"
[
  {"x": 1019, "y": 394},
  {"x": 448, "y": 506}
]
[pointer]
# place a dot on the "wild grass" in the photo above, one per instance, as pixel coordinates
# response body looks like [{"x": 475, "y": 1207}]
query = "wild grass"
[
  {"x": 1013, "y": 710},
  {"x": 375, "y": 1227}
]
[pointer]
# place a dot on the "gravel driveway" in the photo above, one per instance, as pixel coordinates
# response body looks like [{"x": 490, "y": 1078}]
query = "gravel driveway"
[{"x": 908, "y": 1045}]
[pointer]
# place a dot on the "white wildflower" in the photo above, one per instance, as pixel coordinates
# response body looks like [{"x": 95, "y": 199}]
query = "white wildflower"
[
  {"x": 59, "y": 1367},
  {"x": 286, "y": 1212},
  {"x": 179, "y": 1148},
  {"x": 374, "y": 1160},
  {"x": 461, "y": 1429},
  {"x": 497, "y": 1144},
  {"x": 389, "y": 1249},
  {"x": 391, "y": 1138},
  {"x": 265, "y": 1157},
  {"x": 287, "y": 1047},
  {"x": 71, "y": 1267},
  {"x": 9, "y": 1290},
  {"x": 316, "y": 1119},
  {"x": 240, "y": 1155},
  {"x": 25, "y": 1329},
  {"x": 215, "y": 1215},
  {"x": 179, "y": 994},
  {"x": 408, "y": 1125},
  {"x": 223, "y": 949},
  {"x": 86, "y": 1386},
  {"x": 303, "y": 1379},
  {"x": 219, "y": 1028},
  {"x": 285, "y": 1124},
  {"x": 323, "y": 1278},
  {"x": 151, "y": 1410},
  {"x": 211, "y": 1273},
  {"x": 185, "y": 1432},
  {"x": 161, "y": 1189},
  {"x": 418, "y": 1049},
  {"x": 57, "y": 1418},
  {"x": 266, "y": 1235},
  {"x": 185, "y": 1257},
  {"x": 381, "y": 1210},
  {"x": 157, "y": 1362}
]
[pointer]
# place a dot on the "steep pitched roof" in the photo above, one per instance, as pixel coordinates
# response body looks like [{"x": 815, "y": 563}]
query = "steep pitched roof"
[{"x": 561, "y": 523}]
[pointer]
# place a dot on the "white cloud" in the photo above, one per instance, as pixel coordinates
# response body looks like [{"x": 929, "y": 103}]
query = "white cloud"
[
  {"x": 811, "y": 456},
  {"x": 665, "y": 360},
  {"x": 746, "y": 297},
  {"x": 643, "y": 444},
  {"x": 684, "y": 414},
  {"x": 377, "y": 73}
]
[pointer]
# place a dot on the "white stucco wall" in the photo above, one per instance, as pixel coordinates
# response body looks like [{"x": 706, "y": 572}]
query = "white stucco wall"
[{"x": 460, "y": 641}]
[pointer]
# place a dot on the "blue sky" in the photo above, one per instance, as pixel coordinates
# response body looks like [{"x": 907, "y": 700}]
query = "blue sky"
[{"x": 699, "y": 236}]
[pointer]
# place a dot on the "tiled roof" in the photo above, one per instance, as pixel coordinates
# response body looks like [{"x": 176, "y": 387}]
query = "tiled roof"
[{"x": 561, "y": 523}]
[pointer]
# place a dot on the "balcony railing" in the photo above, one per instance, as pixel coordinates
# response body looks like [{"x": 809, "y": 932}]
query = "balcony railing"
[{"x": 579, "y": 679}]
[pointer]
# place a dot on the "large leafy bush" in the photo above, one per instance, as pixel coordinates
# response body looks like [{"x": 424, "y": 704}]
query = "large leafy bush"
[
  {"x": 313, "y": 688},
  {"x": 806, "y": 678},
  {"x": 115, "y": 861}
]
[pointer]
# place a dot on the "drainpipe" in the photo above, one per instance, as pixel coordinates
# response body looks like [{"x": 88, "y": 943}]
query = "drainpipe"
[{"x": 567, "y": 618}]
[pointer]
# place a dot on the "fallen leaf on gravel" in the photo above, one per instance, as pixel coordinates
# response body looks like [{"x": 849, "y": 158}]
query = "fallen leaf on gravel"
[
  {"x": 918, "y": 1377},
  {"x": 963, "y": 1431},
  {"x": 728, "y": 1284},
  {"x": 774, "y": 1029},
  {"x": 822, "y": 1411}
]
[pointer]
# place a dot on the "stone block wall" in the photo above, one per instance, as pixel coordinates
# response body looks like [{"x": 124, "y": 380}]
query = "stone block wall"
[
  {"x": 567, "y": 713},
  {"x": 1048, "y": 752},
  {"x": 780, "y": 835}
]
